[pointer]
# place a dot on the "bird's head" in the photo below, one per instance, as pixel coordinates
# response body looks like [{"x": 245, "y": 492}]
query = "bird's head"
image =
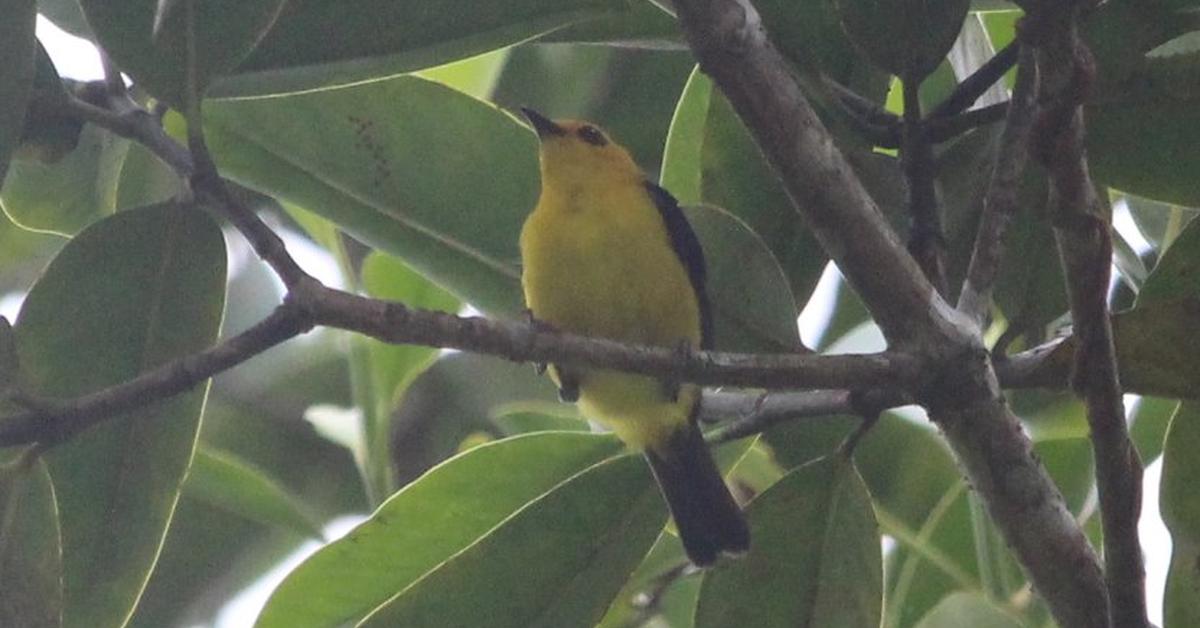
[{"x": 574, "y": 153}]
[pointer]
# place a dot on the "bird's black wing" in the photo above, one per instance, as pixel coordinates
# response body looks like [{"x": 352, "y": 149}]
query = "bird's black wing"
[{"x": 687, "y": 248}]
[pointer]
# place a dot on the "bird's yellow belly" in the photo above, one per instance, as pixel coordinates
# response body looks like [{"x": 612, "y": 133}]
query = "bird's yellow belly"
[{"x": 606, "y": 279}]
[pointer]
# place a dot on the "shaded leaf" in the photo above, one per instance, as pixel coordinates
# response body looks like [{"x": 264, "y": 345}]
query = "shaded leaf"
[
  {"x": 562, "y": 558},
  {"x": 366, "y": 39},
  {"x": 153, "y": 48},
  {"x": 1177, "y": 273},
  {"x": 72, "y": 193},
  {"x": 427, "y": 522},
  {"x": 1181, "y": 512},
  {"x": 407, "y": 166},
  {"x": 815, "y": 560},
  {"x": 1160, "y": 224},
  {"x": 18, "y": 50},
  {"x": 47, "y": 135},
  {"x": 1150, "y": 418},
  {"x": 31, "y": 593},
  {"x": 127, "y": 294},
  {"x": 681, "y": 167},
  {"x": 387, "y": 369},
  {"x": 908, "y": 38},
  {"x": 224, "y": 481}
]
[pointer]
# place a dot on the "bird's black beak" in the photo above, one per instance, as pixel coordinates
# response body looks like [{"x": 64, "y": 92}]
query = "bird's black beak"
[{"x": 545, "y": 127}]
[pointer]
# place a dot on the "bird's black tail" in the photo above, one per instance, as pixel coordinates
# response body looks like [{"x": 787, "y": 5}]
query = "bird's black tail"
[{"x": 708, "y": 518}]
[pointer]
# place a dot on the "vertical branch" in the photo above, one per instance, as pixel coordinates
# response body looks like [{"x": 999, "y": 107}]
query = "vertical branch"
[
  {"x": 1000, "y": 204},
  {"x": 925, "y": 241},
  {"x": 1085, "y": 249}
]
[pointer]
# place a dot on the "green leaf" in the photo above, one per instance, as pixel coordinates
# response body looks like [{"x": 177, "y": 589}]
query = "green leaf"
[
  {"x": 644, "y": 24},
  {"x": 968, "y": 609},
  {"x": 1160, "y": 224},
  {"x": 907, "y": 38},
  {"x": 476, "y": 76},
  {"x": 735, "y": 176},
  {"x": 30, "y": 552},
  {"x": 659, "y": 569},
  {"x": 815, "y": 560},
  {"x": 153, "y": 49},
  {"x": 681, "y": 167},
  {"x": 10, "y": 367},
  {"x": 127, "y": 294},
  {"x": 446, "y": 511},
  {"x": 1181, "y": 512},
  {"x": 1156, "y": 349},
  {"x": 1150, "y": 418},
  {"x": 1069, "y": 463},
  {"x": 225, "y": 481},
  {"x": 145, "y": 179},
  {"x": 17, "y": 53},
  {"x": 562, "y": 558},
  {"x": 66, "y": 196},
  {"x": 1177, "y": 273},
  {"x": 388, "y": 368},
  {"x": 753, "y": 309},
  {"x": 320, "y": 44},
  {"x": 407, "y": 166}
]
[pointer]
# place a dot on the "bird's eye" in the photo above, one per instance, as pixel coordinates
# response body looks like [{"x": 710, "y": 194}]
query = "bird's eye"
[{"x": 591, "y": 135}]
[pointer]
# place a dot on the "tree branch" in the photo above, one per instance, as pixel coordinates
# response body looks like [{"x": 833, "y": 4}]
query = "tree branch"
[
  {"x": 971, "y": 88},
  {"x": 1085, "y": 248},
  {"x": 925, "y": 240},
  {"x": 728, "y": 39},
  {"x": 1000, "y": 204}
]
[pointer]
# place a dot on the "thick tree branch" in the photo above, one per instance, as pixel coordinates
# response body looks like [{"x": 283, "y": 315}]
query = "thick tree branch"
[
  {"x": 1085, "y": 248},
  {"x": 728, "y": 39},
  {"x": 1000, "y": 204}
]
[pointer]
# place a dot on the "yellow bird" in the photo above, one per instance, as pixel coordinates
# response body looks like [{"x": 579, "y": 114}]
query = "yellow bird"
[{"x": 607, "y": 253}]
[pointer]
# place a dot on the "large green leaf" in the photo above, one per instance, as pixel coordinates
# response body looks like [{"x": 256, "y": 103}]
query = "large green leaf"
[
  {"x": 682, "y": 167},
  {"x": 67, "y": 195},
  {"x": 429, "y": 521},
  {"x": 386, "y": 369},
  {"x": 815, "y": 561},
  {"x": 148, "y": 39},
  {"x": 408, "y": 166},
  {"x": 225, "y": 481},
  {"x": 127, "y": 294},
  {"x": 1150, "y": 419},
  {"x": 18, "y": 49},
  {"x": 559, "y": 561},
  {"x": 1181, "y": 512},
  {"x": 316, "y": 43},
  {"x": 30, "y": 549},
  {"x": 968, "y": 609}
]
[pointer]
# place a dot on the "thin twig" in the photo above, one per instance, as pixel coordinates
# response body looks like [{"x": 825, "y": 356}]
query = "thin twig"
[
  {"x": 939, "y": 130},
  {"x": 971, "y": 88},
  {"x": 1000, "y": 203},
  {"x": 1085, "y": 248},
  {"x": 925, "y": 240},
  {"x": 57, "y": 420}
]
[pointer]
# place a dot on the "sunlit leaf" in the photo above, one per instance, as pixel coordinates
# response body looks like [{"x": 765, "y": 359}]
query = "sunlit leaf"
[
  {"x": 562, "y": 559},
  {"x": 432, "y": 519},
  {"x": 968, "y": 609}
]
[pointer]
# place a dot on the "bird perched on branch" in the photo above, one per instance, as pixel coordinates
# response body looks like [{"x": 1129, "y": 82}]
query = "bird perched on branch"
[{"x": 607, "y": 253}]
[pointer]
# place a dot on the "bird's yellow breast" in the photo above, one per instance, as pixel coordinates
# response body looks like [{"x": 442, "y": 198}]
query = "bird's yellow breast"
[{"x": 599, "y": 262}]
